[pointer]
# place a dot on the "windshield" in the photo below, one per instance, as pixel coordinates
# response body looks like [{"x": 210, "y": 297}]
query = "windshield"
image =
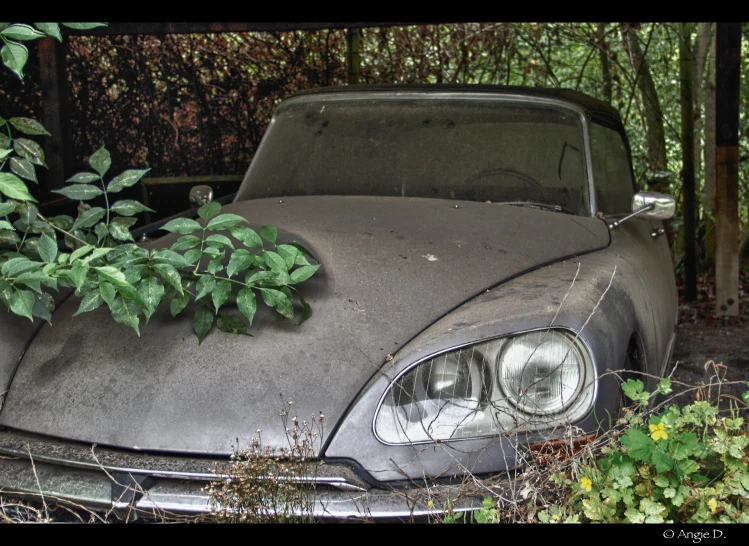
[{"x": 474, "y": 149}]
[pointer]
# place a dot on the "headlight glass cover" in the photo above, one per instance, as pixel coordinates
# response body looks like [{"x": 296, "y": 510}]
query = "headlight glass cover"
[{"x": 529, "y": 381}]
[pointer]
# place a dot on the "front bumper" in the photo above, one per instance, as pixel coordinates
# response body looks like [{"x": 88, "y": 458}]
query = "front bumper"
[{"x": 132, "y": 484}]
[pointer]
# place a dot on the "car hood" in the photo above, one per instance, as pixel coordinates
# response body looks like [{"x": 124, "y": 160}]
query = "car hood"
[{"x": 390, "y": 268}]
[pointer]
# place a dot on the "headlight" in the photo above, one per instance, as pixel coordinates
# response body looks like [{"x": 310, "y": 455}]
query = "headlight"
[{"x": 529, "y": 381}]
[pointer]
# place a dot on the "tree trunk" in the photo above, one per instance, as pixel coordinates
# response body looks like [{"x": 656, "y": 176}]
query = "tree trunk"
[
  {"x": 687, "y": 144},
  {"x": 701, "y": 47},
  {"x": 352, "y": 55},
  {"x": 728, "y": 37},
  {"x": 603, "y": 55},
  {"x": 656, "y": 141}
]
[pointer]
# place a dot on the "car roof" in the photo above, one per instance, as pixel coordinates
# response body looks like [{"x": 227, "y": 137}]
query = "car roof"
[{"x": 597, "y": 109}]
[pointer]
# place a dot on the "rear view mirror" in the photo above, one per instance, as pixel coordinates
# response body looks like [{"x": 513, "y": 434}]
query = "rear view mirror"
[{"x": 662, "y": 206}]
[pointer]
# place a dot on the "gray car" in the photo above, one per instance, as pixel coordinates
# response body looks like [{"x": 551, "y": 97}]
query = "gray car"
[{"x": 486, "y": 265}]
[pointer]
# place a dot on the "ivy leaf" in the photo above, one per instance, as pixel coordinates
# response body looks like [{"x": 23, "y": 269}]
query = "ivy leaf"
[
  {"x": 14, "y": 188},
  {"x": 205, "y": 286},
  {"x": 125, "y": 180},
  {"x": 126, "y": 312},
  {"x": 231, "y": 324},
  {"x": 303, "y": 273},
  {"x": 269, "y": 233},
  {"x": 178, "y": 304},
  {"x": 23, "y": 168},
  {"x": 170, "y": 275},
  {"x": 129, "y": 207},
  {"x": 120, "y": 232},
  {"x": 30, "y": 150},
  {"x": 80, "y": 193},
  {"x": 89, "y": 218},
  {"x": 247, "y": 236},
  {"x": 186, "y": 242},
  {"x": 47, "y": 248},
  {"x": 28, "y": 126},
  {"x": 278, "y": 300},
  {"x": 84, "y": 178},
  {"x": 639, "y": 444},
  {"x": 247, "y": 303},
  {"x": 100, "y": 160},
  {"x": 185, "y": 226},
  {"x": 221, "y": 294},
  {"x": 202, "y": 322},
  {"x": 22, "y": 303},
  {"x": 107, "y": 292},
  {"x": 90, "y": 301},
  {"x": 51, "y": 29},
  {"x": 224, "y": 221},
  {"x": 14, "y": 56},
  {"x": 209, "y": 210},
  {"x": 22, "y": 32},
  {"x": 151, "y": 291}
]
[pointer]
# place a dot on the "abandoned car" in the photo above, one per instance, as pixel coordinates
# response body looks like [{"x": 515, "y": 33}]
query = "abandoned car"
[{"x": 488, "y": 273}]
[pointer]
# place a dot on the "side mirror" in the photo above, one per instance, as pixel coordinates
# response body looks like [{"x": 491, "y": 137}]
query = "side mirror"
[
  {"x": 660, "y": 206},
  {"x": 200, "y": 195}
]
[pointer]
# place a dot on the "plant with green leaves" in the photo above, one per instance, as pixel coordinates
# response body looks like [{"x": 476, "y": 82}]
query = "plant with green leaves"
[{"x": 104, "y": 264}]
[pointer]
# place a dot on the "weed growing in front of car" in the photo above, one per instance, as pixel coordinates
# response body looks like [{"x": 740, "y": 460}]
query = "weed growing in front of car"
[{"x": 264, "y": 485}]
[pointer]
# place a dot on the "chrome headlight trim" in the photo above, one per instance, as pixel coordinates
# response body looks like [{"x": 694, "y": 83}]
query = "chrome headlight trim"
[{"x": 589, "y": 383}]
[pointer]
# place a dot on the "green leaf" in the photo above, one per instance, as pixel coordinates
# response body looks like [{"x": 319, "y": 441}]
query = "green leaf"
[
  {"x": 4, "y": 224},
  {"x": 633, "y": 389},
  {"x": 307, "y": 310},
  {"x": 151, "y": 291},
  {"x": 18, "y": 266},
  {"x": 289, "y": 254},
  {"x": 269, "y": 233},
  {"x": 185, "y": 226},
  {"x": 247, "y": 236},
  {"x": 639, "y": 444},
  {"x": 267, "y": 279},
  {"x": 275, "y": 262},
  {"x": 29, "y": 126},
  {"x": 51, "y": 29},
  {"x": 664, "y": 386},
  {"x": 231, "y": 324},
  {"x": 9, "y": 237},
  {"x": 170, "y": 275},
  {"x": 97, "y": 253},
  {"x": 218, "y": 241},
  {"x": 224, "y": 221},
  {"x": 14, "y": 56},
  {"x": 278, "y": 300},
  {"x": 23, "y": 168},
  {"x": 14, "y": 188},
  {"x": 178, "y": 304},
  {"x": 30, "y": 150},
  {"x": 193, "y": 255},
  {"x": 28, "y": 213},
  {"x": 126, "y": 312},
  {"x": 21, "y": 32},
  {"x": 89, "y": 217},
  {"x": 84, "y": 178},
  {"x": 126, "y": 179},
  {"x": 107, "y": 292},
  {"x": 221, "y": 294},
  {"x": 80, "y": 193},
  {"x": 129, "y": 207},
  {"x": 44, "y": 306},
  {"x": 6, "y": 291},
  {"x": 120, "y": 232},
  {"x": 100, "y": 160},
  {"x": 202, "y": 322},
  {"x": 22, "y": 303},
  {"x": 83, "y": 26},
  {"x": 101, "y": 231},
  {"x": 11, "y": 263},
  {"x": 78, "y": 274},
  {"x": 209, "y": 210},
  {"x": 303, "y": 273},
  {"x": 186, "y": 242},
  {"x": 247, "y": 303},
  {"x": 205, "y": 286},
  {"x": 90, "y": 301},
  {"x": 239, "y": 261},
  {"x": 117, "y": 278},
  {"x": 7, "y": 208},
  {"x": 124, "y": 221},
  {"x": 303, "y": 250},
  {"x": 170, "y": 257},
  {"x": 216, "y": 264},
  {"x": 47, "y": 248}
]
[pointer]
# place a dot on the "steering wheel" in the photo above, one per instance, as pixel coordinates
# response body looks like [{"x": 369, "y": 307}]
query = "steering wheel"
[{"x": 511, "y": 172}]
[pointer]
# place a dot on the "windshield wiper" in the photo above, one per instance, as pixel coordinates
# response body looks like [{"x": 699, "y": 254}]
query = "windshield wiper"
[{"x": 535, "y": 205}]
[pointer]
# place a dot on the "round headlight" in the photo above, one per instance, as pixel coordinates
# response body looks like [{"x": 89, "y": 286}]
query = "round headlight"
[{"x": 541, "y": 372}]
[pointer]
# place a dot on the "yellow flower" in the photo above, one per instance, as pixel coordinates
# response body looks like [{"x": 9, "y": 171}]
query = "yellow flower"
[
  {"x": 658, "y": 432},
  {"x": 713, "y": 504},
  {"x": 430, "y": 504},
  {"x": 586, "y": 484},
  {"x": 557, "y": 517}
]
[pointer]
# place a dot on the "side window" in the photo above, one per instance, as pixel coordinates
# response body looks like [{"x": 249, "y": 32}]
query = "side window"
[{"x": 611, "y": 170}]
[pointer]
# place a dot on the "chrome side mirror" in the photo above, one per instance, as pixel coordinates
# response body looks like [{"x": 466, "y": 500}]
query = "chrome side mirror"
[
  {"x": 657, "y": 206},
  {"x": 651, "y": 205},
  {"x": 200, "y": 195}
]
